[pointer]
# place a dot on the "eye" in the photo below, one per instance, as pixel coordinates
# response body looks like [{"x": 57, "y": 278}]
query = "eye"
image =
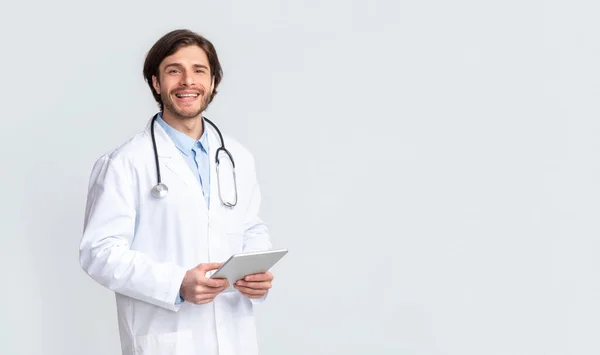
[
  {"x": 200, "y": 71},
  {"x": 173, "y": 71}
]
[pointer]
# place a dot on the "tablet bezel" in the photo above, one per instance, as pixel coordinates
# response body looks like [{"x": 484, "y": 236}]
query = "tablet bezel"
[{"x": 265, "y": 263}]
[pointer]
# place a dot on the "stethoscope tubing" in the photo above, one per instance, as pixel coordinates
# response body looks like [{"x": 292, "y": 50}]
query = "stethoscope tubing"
[{"x": 160, "y": 189}]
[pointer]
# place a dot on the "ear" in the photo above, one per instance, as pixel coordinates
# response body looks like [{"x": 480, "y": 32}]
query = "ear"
[
  {"x": 156, "y": 84},
  {"x": 212, "y": 84}
]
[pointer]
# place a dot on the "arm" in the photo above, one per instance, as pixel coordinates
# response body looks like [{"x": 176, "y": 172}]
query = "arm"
[
  {"x": 256, "y": 233},
  {"x": 109, "y": 225},
  {"x": 256, "y": 238}
]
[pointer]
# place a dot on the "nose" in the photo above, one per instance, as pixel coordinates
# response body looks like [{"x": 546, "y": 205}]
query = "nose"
[{"x": 187, "y": 79}]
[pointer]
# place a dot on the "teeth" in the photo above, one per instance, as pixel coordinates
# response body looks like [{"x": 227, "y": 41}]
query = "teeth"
[{"x": 186, "y": 95}]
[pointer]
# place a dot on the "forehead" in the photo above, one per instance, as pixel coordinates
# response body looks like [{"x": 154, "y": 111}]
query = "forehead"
[{"x": 191, "y": 55}]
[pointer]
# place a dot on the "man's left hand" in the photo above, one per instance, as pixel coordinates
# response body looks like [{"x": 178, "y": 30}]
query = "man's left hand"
[{"x": 256, "y": 285}]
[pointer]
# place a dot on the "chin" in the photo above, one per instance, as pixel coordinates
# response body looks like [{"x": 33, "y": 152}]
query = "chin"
[{"x": 188, "y": 113}]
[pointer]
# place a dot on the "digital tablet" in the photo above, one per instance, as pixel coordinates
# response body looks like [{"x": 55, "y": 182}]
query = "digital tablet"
[{"x": 240, "y": 265}]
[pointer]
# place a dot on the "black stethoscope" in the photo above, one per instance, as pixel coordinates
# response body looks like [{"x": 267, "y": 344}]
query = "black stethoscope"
[{"x": 161, "y": 190}]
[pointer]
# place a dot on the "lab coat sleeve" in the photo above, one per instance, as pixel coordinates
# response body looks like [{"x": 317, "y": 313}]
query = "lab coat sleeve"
[
  {"x": 256, "y": 234},
  {"x": 105, "y": 253}
]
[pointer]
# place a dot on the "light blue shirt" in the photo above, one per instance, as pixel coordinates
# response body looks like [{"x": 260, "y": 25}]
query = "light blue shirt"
[{"x": 195, "y": 153}]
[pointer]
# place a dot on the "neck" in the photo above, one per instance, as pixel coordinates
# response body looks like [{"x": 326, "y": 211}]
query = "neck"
[{"x": 192, "y": 127}]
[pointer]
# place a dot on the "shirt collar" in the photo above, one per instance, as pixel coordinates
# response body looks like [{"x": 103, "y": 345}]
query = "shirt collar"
[{"x": 182, "y": 141}]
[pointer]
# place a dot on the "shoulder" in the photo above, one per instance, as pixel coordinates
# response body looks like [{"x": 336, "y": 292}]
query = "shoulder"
[
  {"x": 128, "y": 149},
  {"x": 124, "y": 156},
  {"x": 241, "y": 154}
]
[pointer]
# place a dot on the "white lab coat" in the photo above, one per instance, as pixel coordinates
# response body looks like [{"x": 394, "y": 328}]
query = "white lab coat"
[{"x": 140, "y": 247}]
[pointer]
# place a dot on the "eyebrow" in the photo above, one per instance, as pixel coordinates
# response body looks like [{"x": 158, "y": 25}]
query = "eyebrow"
[{"x": 180, "y": 65}]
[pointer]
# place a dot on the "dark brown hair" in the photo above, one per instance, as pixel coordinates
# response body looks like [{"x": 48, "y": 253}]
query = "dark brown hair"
[{"x": 171, "y": 43}]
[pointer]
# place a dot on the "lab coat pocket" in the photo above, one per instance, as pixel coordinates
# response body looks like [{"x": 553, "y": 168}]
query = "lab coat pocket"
[{"x": 176, "y": 343}]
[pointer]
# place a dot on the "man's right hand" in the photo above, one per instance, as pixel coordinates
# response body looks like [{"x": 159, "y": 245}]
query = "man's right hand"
[{"x": 197, "y": 288}]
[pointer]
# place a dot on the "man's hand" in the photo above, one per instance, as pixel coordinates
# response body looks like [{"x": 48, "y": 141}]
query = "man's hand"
[
  {"x": 197, "y": 288},
  {"x": 255, "y": 286}
]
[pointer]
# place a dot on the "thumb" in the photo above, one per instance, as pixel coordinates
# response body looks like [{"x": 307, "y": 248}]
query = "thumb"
[{"x": 208, "y": 266}]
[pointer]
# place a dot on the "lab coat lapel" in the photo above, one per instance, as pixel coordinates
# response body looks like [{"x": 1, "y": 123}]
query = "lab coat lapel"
[{"x": 170, "y": 157}]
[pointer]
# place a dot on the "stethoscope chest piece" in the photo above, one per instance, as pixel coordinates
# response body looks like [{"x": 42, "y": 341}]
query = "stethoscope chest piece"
[{"x": 160, "y": 190}]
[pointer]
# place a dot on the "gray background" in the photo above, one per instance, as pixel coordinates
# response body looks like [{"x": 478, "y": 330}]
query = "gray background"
[{"x": 431, "y": 165}]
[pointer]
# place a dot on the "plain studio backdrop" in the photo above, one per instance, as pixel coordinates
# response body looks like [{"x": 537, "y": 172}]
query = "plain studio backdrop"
[{"x": 432, "y": 167}]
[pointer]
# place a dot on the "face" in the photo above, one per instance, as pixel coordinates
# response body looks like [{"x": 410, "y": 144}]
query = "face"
[{"x": 184, "y": 82}]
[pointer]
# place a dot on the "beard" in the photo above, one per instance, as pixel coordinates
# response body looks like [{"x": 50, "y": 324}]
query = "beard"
[{"x": 186, "y": 112}]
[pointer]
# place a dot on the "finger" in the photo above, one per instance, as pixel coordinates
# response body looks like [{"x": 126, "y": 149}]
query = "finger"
[
  {"x": 266, "y": 276},
  {"x": 223, "y": 286},
  {"x": 250, "y": 292},
  {"x": 214, "y": 283},
  {"x": 209, "y": 266},
  {"x": 209, "y": 291},
  {"x": 204, "y": 299},
  {"x": 200, "y": 297},
  {"x": 264, "y": 285}
]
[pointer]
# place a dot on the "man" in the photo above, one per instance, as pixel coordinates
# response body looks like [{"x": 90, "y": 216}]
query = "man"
[{"x": 154, "y": 252}]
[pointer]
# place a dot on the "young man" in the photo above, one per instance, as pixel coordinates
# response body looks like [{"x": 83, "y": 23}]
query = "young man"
[{"x": 154, "y": 246}]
